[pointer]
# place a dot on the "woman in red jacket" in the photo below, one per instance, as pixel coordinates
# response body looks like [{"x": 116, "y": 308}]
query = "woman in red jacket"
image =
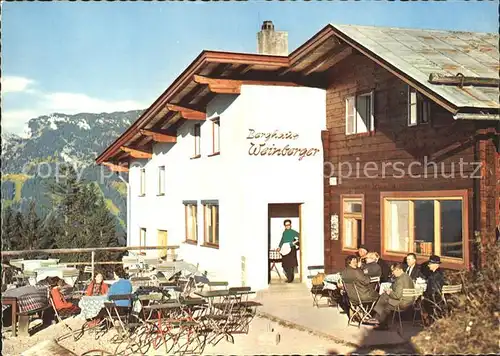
[
  {"x": 97, "y": 286},
  {"x": 60, "y": 303}
]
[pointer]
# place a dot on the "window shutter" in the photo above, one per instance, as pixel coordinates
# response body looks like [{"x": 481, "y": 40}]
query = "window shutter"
[
  {"x": 412, "y": 107},
  {"x": 372, "y": 111},
  {"x": 350, "y": 116}
]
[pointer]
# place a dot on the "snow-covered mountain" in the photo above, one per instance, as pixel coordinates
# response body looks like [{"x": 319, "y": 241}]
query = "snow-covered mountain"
[{"x": 58, "y": 139}]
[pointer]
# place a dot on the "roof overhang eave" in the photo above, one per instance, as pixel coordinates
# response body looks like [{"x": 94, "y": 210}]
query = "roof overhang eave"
[{"x": 203, "y": 59}]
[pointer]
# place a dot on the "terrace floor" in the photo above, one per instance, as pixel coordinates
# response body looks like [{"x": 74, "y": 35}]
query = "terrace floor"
[{"x": 291, "y": 304}]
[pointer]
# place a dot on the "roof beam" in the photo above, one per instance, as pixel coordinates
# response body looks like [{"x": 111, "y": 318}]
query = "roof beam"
[
  {"x": 134, "y": 152},
  {"x": 187, "y": 113},
  {"x": 159, "y": 136},
  {"x": 233, "y": 86},
  {"x": 115, "y": 167},
  {"x": 331, "y": 58},
  {"x": 220, "y": 86},
  {"x": 461, "y": 80}
]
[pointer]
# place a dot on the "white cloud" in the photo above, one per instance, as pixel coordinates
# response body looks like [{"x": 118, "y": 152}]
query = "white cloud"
[
  {"x": 71, "y": 103},
  {"x": 15, "y": 120},
  {"x": 13, "y": 84}
]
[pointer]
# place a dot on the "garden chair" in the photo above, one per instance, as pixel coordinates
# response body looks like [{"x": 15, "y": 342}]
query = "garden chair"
[
  {"x": 357, "y": 306},
  {"x": 316, "y": 275},
  {"x": 408, "y": 293}
]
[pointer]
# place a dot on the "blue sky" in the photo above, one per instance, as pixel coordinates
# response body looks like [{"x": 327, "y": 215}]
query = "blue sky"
[{"x": 105, "y": 56}]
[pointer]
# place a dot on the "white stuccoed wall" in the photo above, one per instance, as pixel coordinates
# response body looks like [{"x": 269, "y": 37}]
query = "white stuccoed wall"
[{"x": 243, "y": 184}]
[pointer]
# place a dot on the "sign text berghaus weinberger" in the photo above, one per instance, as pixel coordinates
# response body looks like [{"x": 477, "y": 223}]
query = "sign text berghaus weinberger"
[{"x": 271, "y": 149}]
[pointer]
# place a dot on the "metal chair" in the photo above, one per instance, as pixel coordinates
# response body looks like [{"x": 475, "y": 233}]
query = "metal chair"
[
  {"x": 415, "y": 293},
  {"x": 357, "y": 306},
  {"x": 316, "y": 290},
  {"x": 217, "y": 285}
]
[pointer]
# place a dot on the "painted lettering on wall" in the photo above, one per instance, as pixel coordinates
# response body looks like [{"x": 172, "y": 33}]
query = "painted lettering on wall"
[{"x": 272, "y": 149}]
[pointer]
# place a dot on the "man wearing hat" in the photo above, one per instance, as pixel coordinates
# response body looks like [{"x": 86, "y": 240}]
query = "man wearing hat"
[{"x": 435, "y": 283}]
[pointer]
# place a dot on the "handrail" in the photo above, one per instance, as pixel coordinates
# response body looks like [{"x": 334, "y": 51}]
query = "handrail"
[{"x": 88, "y": 249}]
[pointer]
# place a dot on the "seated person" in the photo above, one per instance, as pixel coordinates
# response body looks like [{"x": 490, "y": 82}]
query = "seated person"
[
  {"x": 435, "y": 283},
  {"x": 120, "y": 287},
  {"x": 384, "y": 267},
  {"x": 371, "y": 268},
  {"x": 97, "y": 286},
  {"x": 393, "y": 297},
  {"x": 354, "y": 276},
  {"x": 361, "y": 254},
  {"x": 411, "y": 268},
  {"x": 60, "y": 303}
]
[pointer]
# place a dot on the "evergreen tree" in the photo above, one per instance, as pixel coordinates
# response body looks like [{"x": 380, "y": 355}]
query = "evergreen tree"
[
  {"x": 51, "y": 232},
  {"x": 10, "y": 229},
  {"x": 85, "y": 218},
  {"x": 31, "y": 228}
]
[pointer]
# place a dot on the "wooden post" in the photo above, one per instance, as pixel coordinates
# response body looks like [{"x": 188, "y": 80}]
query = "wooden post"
[{"x": 92, "y": 263}]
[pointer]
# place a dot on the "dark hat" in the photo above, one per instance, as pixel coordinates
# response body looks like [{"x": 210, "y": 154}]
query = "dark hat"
[
  {"x": 434, "y": 259},
  {"x": 363, "y": 247}
]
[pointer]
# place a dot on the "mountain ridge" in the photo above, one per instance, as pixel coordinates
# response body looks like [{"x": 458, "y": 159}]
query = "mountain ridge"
[{"x": 54, "y": 140}]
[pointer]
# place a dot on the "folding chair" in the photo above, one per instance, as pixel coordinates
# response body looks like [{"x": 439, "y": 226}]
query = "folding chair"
[
  {"x": 450, "y": 290},
  {"x": 357, "y": 306},
  {"x": 317, "y": 291},
  {"x": 120, "y": 317},
  {"x": 415, "y": 293},
  {"x": 217, "y": 285},
  {"x": 376, "y": 281},
  {"x": 60, "y": 318}
]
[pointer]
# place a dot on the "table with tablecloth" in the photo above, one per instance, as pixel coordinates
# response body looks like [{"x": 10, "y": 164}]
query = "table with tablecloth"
[
  {"x": 331, "y": 280},
  {"x": 24, "y": 300},
  {"x": 28, "y": 298},
  {"x": 387, "y": 285},
  {"x": 91, "y": 306}
]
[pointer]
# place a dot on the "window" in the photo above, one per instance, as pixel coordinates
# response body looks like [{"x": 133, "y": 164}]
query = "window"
[
  {"x": 197, "y": 134},
  {"x": 419, "y": 108},
  {"x": 191, "y": 222},
  {"x": 211, "y": 219},
  {"x": 161, "y": 180},
  {"x": 359, "y": 114},
  {"x": 216, "y": 135},
  {"x": 142, "y": 182},
  {"x": 425, "y": 223},
  {"x": 142, "y": 237},
  {"x": 352, "y": 221}
]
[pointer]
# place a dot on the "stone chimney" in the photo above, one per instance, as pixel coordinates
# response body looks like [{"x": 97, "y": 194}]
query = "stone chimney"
[{"x": 272, "y": 42}]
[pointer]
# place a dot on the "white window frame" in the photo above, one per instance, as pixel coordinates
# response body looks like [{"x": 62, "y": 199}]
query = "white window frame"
[
  {"x": 161, "y": 180},
  {"x": 419, "y": 108},
  {"x": 142, "y": 182},
  {"x": 355, "y": 115}
]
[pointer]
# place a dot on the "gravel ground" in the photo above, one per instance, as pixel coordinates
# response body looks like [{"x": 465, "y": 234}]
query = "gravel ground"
[
  {"x": 264, "y": 337},
  {"x": 259, "y": 340}
]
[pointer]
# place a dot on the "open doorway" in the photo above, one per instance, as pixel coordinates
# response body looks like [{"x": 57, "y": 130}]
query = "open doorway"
[{"x": 277, "y": 214}]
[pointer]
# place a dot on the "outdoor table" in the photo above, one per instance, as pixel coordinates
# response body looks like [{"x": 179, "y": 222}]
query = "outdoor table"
[
  {"x": 69, "y": 275},
  {"x": 91, "y": 306},
  {"x": 24, "y": 300},
  {"x": 330, "y": 282},
  {"x": 384, "y": 286}
]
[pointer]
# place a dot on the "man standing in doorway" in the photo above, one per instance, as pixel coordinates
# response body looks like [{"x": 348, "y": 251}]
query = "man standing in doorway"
[{"x": 288, "y": 247}]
